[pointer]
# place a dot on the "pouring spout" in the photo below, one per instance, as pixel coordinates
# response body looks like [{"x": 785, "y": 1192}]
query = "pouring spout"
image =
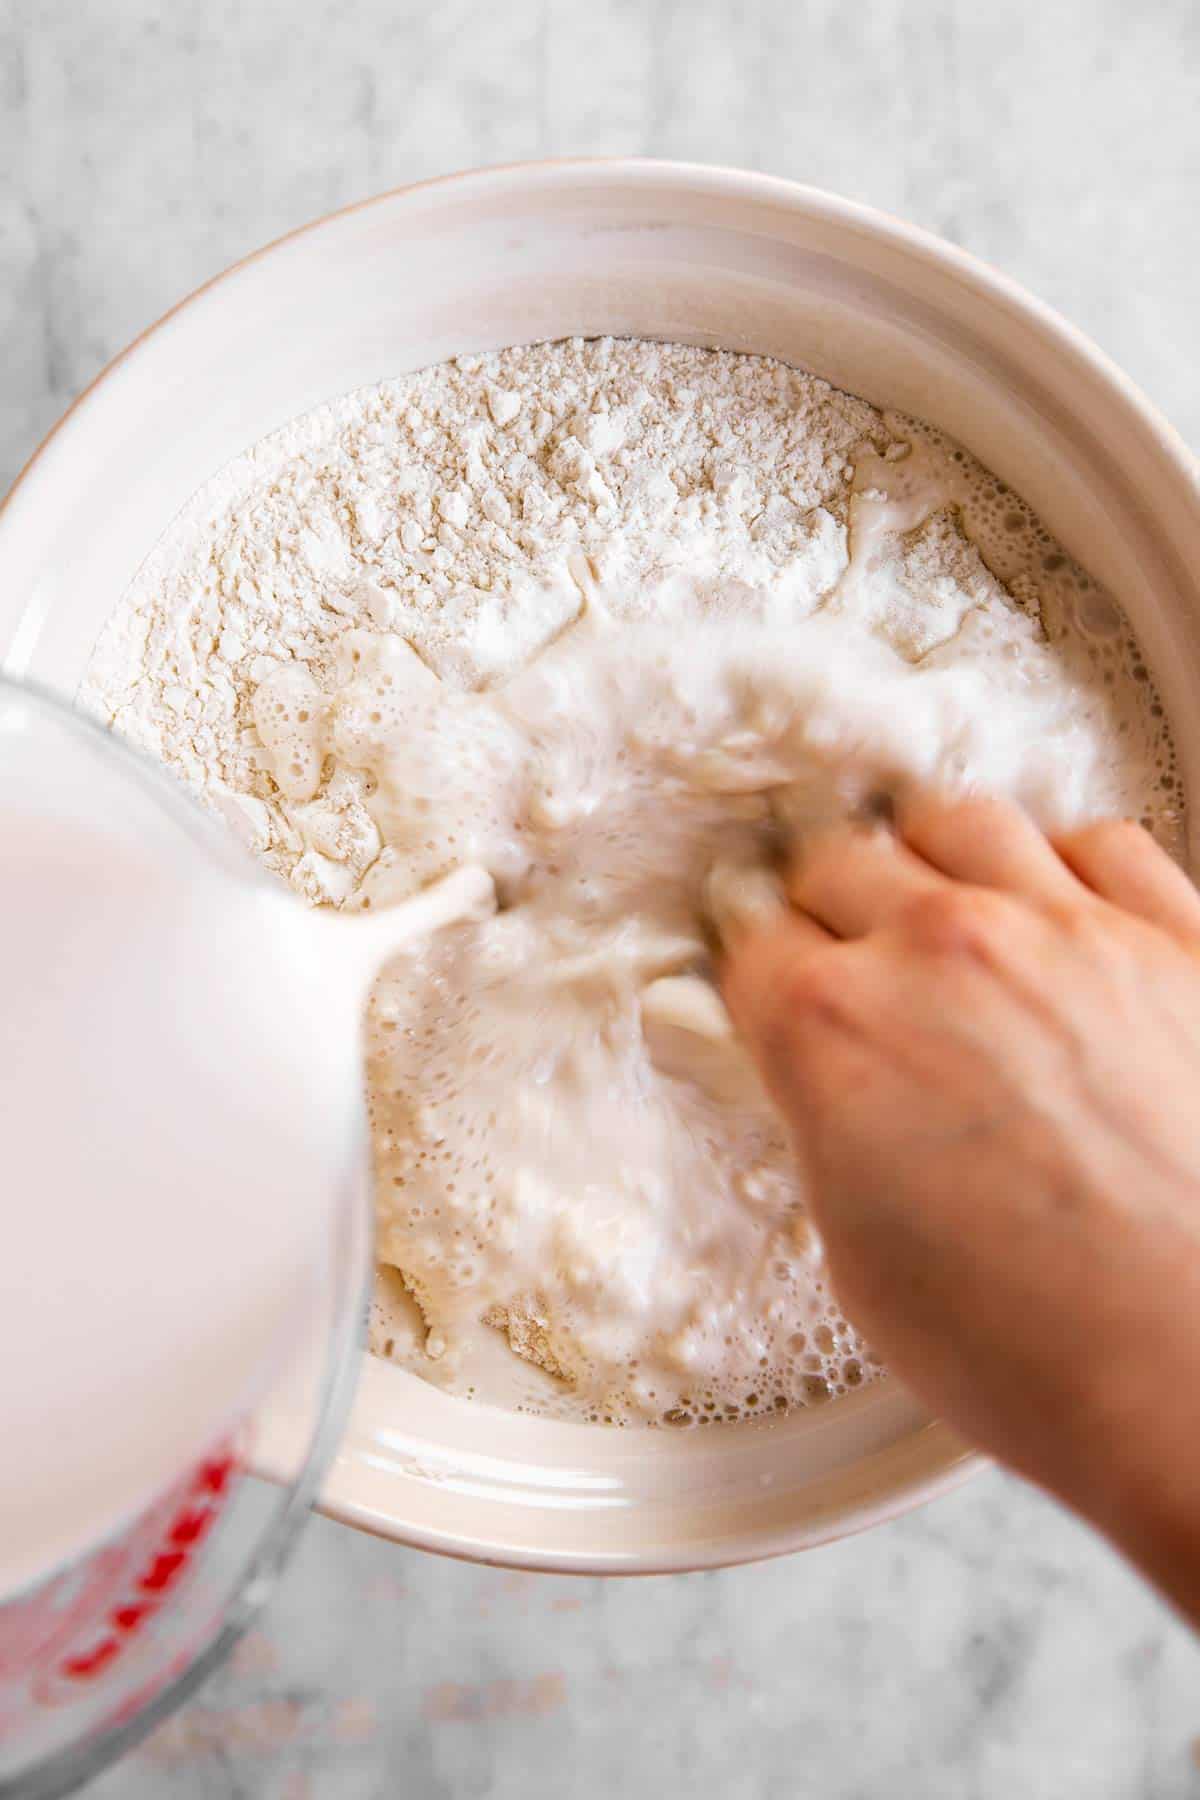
[{"x": 364, "y": 942}]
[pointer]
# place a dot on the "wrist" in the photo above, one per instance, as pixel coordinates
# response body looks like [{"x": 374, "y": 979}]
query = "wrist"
[{"x": 1141, "y": 1488}]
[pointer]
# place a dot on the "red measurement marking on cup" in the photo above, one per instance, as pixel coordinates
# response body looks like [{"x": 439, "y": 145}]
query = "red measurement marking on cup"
[
  {"x": 193, "y": 1512},
  {"x": 128, "y": 1618},
  {"x": 191, "y": 1526},
  {"x": 38, "y": 1626},
  {"x": 73, "y": 1629},
  {"x": 81, "y": 1668}
]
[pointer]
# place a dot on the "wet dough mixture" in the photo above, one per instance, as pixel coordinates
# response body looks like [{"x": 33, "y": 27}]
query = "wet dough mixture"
[{"x": 617, "y": 620}]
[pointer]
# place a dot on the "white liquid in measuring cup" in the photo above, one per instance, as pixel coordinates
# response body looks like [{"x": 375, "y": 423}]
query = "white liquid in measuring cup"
[{"x": 180, "y": 1074}]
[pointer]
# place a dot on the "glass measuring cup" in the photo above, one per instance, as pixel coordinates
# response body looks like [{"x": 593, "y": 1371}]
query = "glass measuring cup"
[{"x": 98, "y": 1647}]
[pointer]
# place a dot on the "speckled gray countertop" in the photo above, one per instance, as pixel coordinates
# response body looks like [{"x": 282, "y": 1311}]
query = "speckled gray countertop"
[{"x": 987, "y": 1647}]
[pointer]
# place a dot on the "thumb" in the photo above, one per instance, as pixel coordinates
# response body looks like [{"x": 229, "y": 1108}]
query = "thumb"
[{"x": 762, "y": 972}]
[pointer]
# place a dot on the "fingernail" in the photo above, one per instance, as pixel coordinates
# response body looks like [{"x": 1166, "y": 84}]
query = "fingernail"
[{"x": 740, "y": 899}]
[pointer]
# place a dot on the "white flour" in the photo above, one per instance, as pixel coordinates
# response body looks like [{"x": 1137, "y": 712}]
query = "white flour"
[{"x": 602, "y": 615}]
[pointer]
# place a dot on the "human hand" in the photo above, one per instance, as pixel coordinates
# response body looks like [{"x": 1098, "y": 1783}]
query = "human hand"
[{"x": 988, "y": 1047}]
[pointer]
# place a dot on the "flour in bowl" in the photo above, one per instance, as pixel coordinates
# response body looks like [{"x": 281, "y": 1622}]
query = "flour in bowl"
[{"x": 617, "y": 620}]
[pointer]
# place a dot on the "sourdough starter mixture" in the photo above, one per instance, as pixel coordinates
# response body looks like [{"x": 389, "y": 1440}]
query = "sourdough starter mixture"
[{"x": 617, "y": 620}]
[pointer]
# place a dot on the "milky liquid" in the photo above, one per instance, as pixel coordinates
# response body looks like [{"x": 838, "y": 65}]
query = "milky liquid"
[{"x": 180, "y": 1111}]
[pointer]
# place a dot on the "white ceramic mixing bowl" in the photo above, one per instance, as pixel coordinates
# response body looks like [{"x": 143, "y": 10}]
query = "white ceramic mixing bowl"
[{"x": 655, "y": 250}]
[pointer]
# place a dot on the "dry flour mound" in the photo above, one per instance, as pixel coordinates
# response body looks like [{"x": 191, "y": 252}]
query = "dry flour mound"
[
  {"x": 604, "y": 615},
  {"x": 445, "y": 507}
]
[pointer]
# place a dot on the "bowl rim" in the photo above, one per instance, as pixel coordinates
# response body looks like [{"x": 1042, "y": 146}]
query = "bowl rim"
[
  {"x": 948, "y": 1464},
  {"x": 716, "y": 178},
  {"x": 937, "y": 1471}
]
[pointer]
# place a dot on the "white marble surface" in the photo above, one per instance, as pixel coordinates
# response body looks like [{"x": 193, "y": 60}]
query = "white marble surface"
[{"x": 989, "y": 1646}]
